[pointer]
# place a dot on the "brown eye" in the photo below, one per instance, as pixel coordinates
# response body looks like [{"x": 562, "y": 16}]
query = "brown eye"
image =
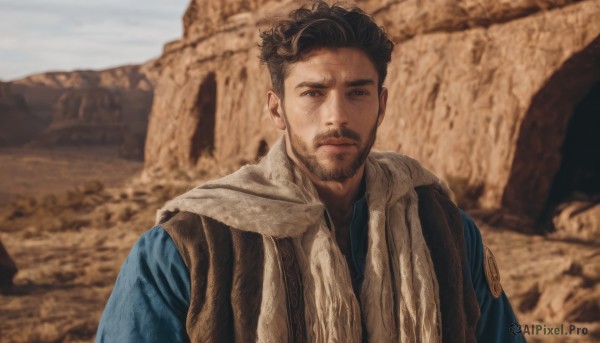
[
  {"x": 359, "y": 92},
  {"x": 311, "y": 93}
]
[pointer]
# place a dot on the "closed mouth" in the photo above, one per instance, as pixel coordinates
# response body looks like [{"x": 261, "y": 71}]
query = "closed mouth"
[{"x": 337, "y": 141}]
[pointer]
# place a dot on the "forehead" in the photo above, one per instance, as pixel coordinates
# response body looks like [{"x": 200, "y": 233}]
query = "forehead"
[{"x": 332, "y": 64}]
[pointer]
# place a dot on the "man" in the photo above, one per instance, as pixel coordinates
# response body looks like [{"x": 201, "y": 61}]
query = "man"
[{"x": 322, "y": 240}]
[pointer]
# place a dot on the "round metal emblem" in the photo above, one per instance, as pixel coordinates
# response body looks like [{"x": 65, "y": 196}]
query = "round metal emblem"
[{"x": 492, "y": 274}]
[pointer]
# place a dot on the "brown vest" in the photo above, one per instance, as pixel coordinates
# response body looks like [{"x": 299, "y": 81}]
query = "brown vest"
[{"x": 226, "y": 267}]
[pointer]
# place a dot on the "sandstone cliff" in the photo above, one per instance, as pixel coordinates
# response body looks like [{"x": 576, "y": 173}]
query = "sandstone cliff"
[{"x": 481, "y": 92}]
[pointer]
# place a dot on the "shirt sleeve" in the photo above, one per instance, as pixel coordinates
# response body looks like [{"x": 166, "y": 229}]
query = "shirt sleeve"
[
  {"x": 497, "y": 316},
  {"x": 151, "y": 296}
]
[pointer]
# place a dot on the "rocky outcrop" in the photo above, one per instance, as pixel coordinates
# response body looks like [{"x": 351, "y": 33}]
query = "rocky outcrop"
[
  {"x": 41, "y": 91},
  {"x": 17, "y": 124},
  {"x": 90, "y": 106},
  {"x": 124, "y": 77},
  {"x": 90, "y": 116},
  {"x": 578, "y": 219},
  {"x": 481, "y": 92},
  {"x": 76, "y": 107}
]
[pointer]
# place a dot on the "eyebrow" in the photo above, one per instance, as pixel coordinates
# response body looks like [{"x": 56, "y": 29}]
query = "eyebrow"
[
  {"x": 309, "y": 84},
  {"x": 319, "y": 85},
  {"x": 360, "y": 82}
]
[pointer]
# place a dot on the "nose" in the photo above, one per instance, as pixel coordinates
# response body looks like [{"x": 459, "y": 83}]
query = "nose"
[{"x": 336, "y": 111}]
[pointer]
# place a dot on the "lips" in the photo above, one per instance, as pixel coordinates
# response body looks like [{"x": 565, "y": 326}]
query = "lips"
[
  {"x": 338, "y": 145},
  {"x": 337, "y": 142}
]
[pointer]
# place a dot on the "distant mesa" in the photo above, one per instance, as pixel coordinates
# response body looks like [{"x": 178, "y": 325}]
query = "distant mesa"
[
  {"x": 17, "y": 124},
  {"x": 83, "y": 117},
  {"x": 86, "y": 107}
]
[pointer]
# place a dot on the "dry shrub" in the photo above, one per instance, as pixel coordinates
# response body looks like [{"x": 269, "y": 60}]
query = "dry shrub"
[
  {"x": 43, "y": 333},
  {"x": 125, "y": 213},
  {"x": 52, "y": 212},
  {"x": 21, "y": 207}
]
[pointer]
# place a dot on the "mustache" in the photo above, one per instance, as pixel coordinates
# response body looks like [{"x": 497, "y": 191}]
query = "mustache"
[{"x": 342, "y": 132}]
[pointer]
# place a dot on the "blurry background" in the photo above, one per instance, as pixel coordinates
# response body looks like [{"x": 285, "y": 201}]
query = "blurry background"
[{"x": 109, "y": 109}]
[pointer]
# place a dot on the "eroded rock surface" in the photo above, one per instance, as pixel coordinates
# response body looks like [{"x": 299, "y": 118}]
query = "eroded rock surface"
[{"x": 89, "y": 116}]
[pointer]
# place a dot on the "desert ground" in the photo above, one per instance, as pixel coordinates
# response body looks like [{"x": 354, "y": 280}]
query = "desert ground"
[
  {"x": 37, "y": 172},
  {"x": 69, "y": 217}
]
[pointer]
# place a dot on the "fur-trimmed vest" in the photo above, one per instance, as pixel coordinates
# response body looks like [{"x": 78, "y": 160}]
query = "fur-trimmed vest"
[
  {"x": 265, "y": 264},
  {"x": 227, "y": 270}
]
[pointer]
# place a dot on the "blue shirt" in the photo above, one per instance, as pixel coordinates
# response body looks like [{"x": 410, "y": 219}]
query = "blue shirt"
[{"x": 151, "y": 296}]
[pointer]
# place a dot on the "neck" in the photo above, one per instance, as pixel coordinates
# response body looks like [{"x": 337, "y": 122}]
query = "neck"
[{"x": 337, "y": 196}]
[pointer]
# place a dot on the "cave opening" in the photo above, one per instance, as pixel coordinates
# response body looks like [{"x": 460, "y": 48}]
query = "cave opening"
[
  {"x": 203, "y": 138},
  {"x": 556, "y": 151},
  {"x": 578, "y": 177}
]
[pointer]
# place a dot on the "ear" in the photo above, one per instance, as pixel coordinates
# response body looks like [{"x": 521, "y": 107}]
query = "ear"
[
  {"x": 276, "y": 109},
  {"x": 382, "y": 105}
]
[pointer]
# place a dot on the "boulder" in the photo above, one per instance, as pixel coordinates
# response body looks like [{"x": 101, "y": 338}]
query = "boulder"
[{"x": 578, "y": 219}]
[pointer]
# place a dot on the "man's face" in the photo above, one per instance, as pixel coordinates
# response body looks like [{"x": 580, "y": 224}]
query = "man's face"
[{"x": 331, "y": 111}]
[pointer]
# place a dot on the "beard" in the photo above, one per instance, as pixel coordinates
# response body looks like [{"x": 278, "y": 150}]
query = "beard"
[{"x": 343, "y": 172}]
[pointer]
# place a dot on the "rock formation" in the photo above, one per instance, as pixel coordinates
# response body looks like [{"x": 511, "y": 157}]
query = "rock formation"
[
  {"x": 94, "y": 106},
  {"x": 88, "y": 116},
  {"x": 17, "y": 124},
  {"x": 578, "y": 219},
  {"x": 481, "y": 92},
  {"x": 83, "y": 106},
  {"x": 41, "y": 91}
]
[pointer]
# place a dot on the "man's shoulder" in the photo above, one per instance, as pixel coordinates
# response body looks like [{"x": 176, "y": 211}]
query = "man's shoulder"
[
  {"x": 185, "y": 227},
  {"x": 182, "y": 220},
  {"x": 186, "y": 222},
  {"x": 195, "y": 232}
]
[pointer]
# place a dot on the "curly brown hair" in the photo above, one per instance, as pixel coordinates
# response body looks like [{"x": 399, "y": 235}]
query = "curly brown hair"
[{"x": 322, "y": 26}]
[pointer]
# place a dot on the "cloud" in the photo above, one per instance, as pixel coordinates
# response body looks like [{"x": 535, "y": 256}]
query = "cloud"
[{"x": 41, "y": 36}]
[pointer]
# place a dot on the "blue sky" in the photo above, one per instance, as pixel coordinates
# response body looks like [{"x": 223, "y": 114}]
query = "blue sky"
[{"x": 54, "y": 35}]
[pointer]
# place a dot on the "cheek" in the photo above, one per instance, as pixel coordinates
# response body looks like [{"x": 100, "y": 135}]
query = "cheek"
[
  {"x": 302, "y": 120},
  {"x": 365, "y": 114}
]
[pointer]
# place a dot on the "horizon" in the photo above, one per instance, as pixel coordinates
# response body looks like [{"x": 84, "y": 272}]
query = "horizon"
[{"x": 66, "y": 35}]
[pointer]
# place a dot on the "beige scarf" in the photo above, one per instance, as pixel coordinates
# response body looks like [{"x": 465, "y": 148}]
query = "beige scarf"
[{"x": 399, "y": 297}]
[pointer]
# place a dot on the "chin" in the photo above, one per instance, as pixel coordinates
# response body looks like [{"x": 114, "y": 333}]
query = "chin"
[
  {"x": 338, "y": 172},
  {"x": 337, "y": 158}
]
